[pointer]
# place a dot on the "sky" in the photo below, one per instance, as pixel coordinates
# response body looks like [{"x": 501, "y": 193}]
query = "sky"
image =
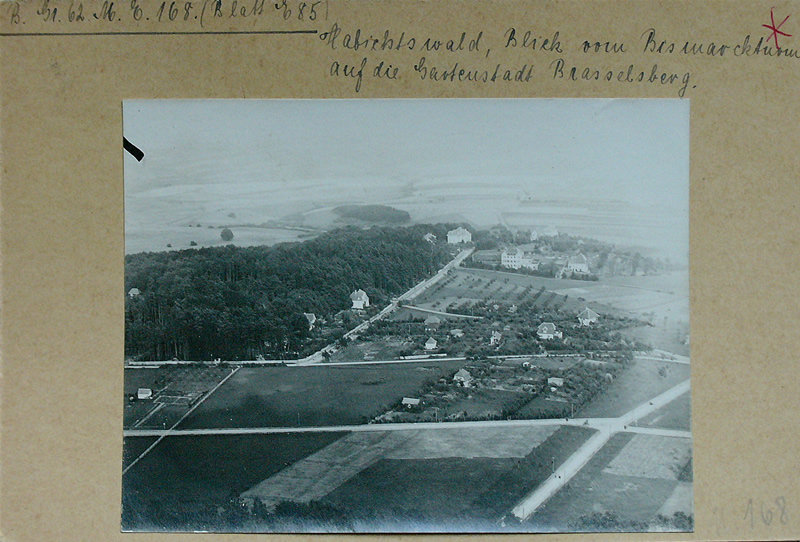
[{"x": 631, "y": 150}]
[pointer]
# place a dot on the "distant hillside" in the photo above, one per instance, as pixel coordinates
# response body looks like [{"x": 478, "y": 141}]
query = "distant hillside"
[{"x": 378, "y": 214}]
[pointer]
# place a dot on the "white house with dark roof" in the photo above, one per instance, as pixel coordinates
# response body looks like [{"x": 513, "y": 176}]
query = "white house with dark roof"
[
  {"x": 547, "y": 330},
  {"x": 459, "y": 235},
  {"x": 360, "y": 299},
  {"x": 587, "y": 317}
]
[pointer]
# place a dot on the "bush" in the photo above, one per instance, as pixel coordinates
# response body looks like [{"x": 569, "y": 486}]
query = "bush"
[{"x": 226, "y": 234}]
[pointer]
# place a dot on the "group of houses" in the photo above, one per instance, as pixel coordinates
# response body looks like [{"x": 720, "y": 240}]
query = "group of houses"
[
  {"x": 454, "y": 237},
  {"x": 525, "y": 258}
]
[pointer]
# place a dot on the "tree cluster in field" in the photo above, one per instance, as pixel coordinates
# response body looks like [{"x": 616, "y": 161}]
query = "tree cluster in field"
[
  {"x": 377, "y": 214},
  {"x": 237, "y": 303}
]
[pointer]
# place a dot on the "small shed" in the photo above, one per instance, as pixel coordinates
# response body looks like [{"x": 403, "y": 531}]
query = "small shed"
[
  {"x": 410, "y": 402},
  {"x": 134, "y": 292}
]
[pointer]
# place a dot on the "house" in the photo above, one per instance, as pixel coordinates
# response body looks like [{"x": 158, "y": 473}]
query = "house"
[
  {"x": 459, "y": 235},
  {"x": 144, "y": 393},
  {"x": 578, "y": 264},
  {"x": 360, "y": 299},
  {"x": 432, "y": 322},
  {"x": 534, "y": 235},
  {"x": 463, "y": 378},
  {"x": 457, "y": 333},
  {"x": 429, "y": 237},
  {"x": 312, "y": 318},
  {"x": 430, "y": 344},
  {"x": 547, "y": 330},
  {"x": 587, "y": 317},
  {"x": 410, "y": 402},
  {"x": 555, "y": 381},
  {"x": 516, "y": 258},
  {"x": 495, "y": 338},
  {"x": 134, "y": 292}
]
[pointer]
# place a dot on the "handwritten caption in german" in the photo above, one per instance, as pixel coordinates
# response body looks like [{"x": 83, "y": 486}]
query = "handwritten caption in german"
[{"x": 469, "y": 57}]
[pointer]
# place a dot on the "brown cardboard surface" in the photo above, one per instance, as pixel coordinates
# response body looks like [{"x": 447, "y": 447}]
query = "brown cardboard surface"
[{"x": 62, "y": 211}]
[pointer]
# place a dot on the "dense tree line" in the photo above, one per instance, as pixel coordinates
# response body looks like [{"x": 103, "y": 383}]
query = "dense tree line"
[{"x": 236, "y": 303}]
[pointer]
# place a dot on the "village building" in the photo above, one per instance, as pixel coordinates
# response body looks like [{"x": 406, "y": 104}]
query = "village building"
[
  {"x": 555, "y": 381},
  {"x": 312, "y": 319},
  {"x": 495, "y": 338},
  {"x": 432, "y": 322},
  {"x": 410, "y": 402},
  {"x": 457, "y": 333},
  {"x": 463, "y": 378},
  {"x": 587, "y": 317},
  {"x": 360, "y": 299},
  {"x": 548, "y": 330},
  {"x": 134, "y": 292},
  {"x": 431, "y": 344},
  {"x": 517, "y": 258},
  {"x": 578, "y": 264},
  {"x": 459, "y": 235},
  {"x": 429, "y": 237},
  {"x": 144, "y": 393}
]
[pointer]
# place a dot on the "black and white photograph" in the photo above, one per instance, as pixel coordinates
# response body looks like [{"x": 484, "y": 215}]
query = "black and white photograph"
[{"x": 407, "y": 316}]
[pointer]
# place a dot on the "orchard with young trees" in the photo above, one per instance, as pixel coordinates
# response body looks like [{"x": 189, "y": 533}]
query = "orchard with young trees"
[{"x": 236, "y": 303}]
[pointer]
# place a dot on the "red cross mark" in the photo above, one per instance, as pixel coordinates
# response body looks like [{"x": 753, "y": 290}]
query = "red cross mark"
[{"x": 776, "y": 29}]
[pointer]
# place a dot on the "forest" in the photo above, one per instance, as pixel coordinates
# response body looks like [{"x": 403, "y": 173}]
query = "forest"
[{"x": 236, "y": 303}]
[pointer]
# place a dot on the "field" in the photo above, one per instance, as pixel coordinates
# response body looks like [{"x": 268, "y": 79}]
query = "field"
[
  {"x": 312, "y": 396},
  {"x": 614, "y": 492},
  {"x": 636, "y": 384},
  {"x": 459, "y": 492},
  {"x": 173, "y": 485},
  {"x": 675, "y": 415}
]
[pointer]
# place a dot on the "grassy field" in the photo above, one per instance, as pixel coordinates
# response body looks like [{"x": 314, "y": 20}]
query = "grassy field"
[
  {"x": 182, "y": 476},
  {"x": 634, "y": 385},
  {"x": 675, "y": 415},
  {"x": 312, "y": 396},
  {"x": 630, "y": 500}
]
